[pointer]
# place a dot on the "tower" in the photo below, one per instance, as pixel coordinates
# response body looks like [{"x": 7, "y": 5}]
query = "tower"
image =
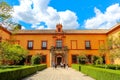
[{"x": 59, "y": 28}]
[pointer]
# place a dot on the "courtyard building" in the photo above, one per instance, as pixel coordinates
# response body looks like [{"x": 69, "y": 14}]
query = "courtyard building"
[{"x": 61, "y": 45}]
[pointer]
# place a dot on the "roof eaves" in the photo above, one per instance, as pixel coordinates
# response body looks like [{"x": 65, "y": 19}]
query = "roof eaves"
[{"x": 114, "y": 28}]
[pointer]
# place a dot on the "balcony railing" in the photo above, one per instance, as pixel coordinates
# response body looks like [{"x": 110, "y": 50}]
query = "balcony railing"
[{"x": 53, "y": 48}]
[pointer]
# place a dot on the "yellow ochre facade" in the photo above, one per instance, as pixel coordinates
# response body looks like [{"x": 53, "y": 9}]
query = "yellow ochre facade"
[{"x": 59, "y": 45}]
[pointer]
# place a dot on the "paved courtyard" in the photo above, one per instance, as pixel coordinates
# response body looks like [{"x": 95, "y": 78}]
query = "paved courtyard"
[{"x": 58, "y": 74}]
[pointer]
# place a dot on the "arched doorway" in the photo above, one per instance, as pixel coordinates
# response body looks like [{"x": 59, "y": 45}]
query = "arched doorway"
[{"x": 59, "y": 59}]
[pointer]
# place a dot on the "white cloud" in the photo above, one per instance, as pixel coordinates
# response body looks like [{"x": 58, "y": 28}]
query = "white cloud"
[
  {"x": 36, "y": 11},
  {"x": 104, "y": 20},
  {"x": 23, "y": 27},
  {"x": 40, "y": 27},
  {"x": 68, "y": 18}
]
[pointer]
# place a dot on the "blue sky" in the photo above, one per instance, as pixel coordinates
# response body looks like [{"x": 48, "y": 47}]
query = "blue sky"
[{"x": 73, "y": 14}]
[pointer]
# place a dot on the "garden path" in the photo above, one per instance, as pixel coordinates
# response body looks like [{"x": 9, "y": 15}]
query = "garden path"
[{"x": 58, "y": 74}]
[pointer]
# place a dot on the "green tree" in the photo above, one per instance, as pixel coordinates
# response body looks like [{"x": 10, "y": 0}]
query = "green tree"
[
  {"x": 6, "y": 16},
  {"x": 103, "y": 52},
  {"x": 97, "y": 60},
  {"x": 4, "y": 52},
  {"x": 5, "y": 12},
  {"x": 17, "y": 52},
  {"x": 11, "y": 52},
  {"x": 82, "y": 58},
  {"x": 114, "y": 47},
  {"x": 36, "y": 59}
]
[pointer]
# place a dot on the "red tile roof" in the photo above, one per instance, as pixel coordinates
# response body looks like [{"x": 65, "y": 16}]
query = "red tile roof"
[
  {"x": 96, "y": 31},
  {"x": 53, "y": 31}
]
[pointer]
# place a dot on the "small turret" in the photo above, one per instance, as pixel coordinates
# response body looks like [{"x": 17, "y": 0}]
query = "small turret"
[{"x": 59, "y": 28}]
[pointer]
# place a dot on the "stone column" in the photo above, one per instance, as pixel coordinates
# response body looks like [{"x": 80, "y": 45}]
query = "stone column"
[{"x": 52, "y": 58}]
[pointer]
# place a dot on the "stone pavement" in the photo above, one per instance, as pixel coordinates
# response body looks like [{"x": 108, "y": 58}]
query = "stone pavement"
[{"x": 58, "y": 74}]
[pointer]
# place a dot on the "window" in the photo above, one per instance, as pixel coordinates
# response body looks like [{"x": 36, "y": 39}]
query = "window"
[
  {"x": 103, "y": 57},
  {"x": 87, "y": 45},
  {"x": 74, "y": 58},
  {"x": 89, "y": 58},
  {"x": 59, "y": 29},
  {"x": 73, "y": 44},
  {"x": 59, "y": 43},
  {"x": 44, "y": 44},
  {"x": 30, "y": 45},
  {"x": 44, "y": 59}
]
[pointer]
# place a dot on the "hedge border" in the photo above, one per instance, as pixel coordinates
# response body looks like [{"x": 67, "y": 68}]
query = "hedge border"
[
  {"x": 19, "y": 73},
  {"x": 98, "y": 73}
]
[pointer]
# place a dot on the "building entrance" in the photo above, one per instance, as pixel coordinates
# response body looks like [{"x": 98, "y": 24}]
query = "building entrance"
[
  {"x": 59, "y": 60},
  {"x": 58, "y": 57}
]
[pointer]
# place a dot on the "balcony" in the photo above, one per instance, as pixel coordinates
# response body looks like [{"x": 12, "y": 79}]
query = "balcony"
[{"x": 59, "y": 49}]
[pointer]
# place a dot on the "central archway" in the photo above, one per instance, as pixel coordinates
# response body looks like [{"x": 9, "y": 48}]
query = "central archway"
[{"x": 59, "y": 59}]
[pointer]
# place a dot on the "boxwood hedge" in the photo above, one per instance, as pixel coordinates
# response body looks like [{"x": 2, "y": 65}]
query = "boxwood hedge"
[
  {"x": 99, "y": 73},
  {"x": 19, "y": 73},
  {"x": 114, "y": 67}
]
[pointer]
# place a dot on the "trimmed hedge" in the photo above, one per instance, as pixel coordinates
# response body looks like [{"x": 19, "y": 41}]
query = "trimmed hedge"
[
  {"x": 41, "y": 67},
  {"x": 76, "y": 66},
  {"x": 114, "y": 67},
  {"x": 100, "y": 73},
  {"x": 19, "y": 73}
]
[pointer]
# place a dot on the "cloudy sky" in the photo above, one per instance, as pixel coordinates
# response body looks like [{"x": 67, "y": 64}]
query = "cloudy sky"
[{"x": 72, "y": 14}]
